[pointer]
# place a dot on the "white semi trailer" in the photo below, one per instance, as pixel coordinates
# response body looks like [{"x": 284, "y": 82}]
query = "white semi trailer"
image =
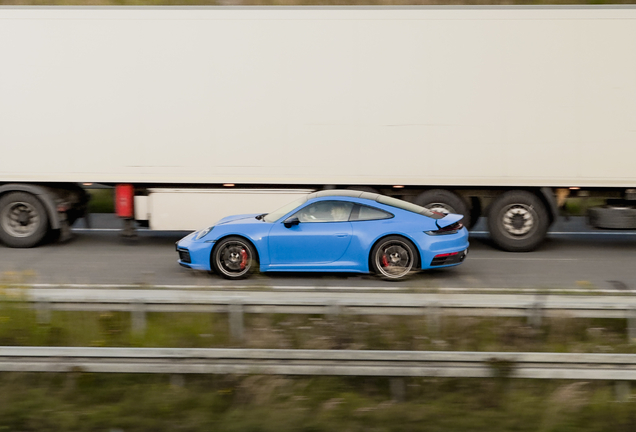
[{"x": 195, "y": 113}]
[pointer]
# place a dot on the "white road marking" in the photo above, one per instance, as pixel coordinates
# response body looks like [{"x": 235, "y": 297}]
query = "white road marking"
[
  {"x": 619, "y": 233},
  {"x": 611, "y": 233},
  {"x": 405, "y": 289},
  {"x": 522, "y": 259},
  {"x": 103, "y": 229}
]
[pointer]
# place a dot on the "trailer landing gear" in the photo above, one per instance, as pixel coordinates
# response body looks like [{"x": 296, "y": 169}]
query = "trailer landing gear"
[{"x": 129, "y": 232}]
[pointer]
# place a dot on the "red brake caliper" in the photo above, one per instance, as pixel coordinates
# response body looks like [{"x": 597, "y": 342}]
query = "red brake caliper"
[
  {"x": 243, "y": 259},
  {"x": 385, "y": 262}
]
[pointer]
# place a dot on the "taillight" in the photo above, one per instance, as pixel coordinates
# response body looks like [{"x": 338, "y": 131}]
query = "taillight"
[
  {"x": 450, "y": 229},
  {"x": 446, "y": 255}
]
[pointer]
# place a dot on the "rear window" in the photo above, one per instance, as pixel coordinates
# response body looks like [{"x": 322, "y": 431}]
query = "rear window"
[
  {"x": 394, "y": 202},
  {"x": 366, "y": 213}
]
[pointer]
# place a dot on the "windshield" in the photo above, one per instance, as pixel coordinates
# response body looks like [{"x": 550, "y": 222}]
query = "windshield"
[{"x": 275, "y": 215}]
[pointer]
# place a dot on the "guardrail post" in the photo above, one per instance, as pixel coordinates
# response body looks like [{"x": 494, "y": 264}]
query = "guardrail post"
[
  {"x": 334, "y": 310},
  {"x": 236, "y": 320},
  {"x": 43, "y": 312},
  {"x": 535, "y": 314},
  {"x": 177, "y": 380},
  {"x": 398, "y": 389},
  {"x": 434, "y": 318},
  {"x": 631, "y": 325},
  {"x": 138, "y": 317},
  {"x": 623, "y": 391}
]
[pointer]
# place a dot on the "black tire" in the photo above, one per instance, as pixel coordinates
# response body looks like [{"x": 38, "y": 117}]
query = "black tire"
[
  {"x": 611, "y": 217},
  {"x": 394, "y": 258},
  {"x": 234, "y": 258},
  {"x": 444, "y": 201},
  {"x": 518, "y": 221},
  {"x": 23, "y": 220}
]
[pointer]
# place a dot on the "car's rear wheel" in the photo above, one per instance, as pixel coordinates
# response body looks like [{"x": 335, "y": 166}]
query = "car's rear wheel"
[
  {"x": 234, "y": 258},
  {"x": 394, "y": 258}
]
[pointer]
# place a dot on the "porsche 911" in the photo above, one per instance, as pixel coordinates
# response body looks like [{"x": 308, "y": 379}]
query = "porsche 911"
[{"x": 330, "y": 231}]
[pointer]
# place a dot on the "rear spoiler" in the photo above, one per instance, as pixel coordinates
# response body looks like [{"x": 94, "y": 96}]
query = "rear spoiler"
[{"x": 447, "y": 220}]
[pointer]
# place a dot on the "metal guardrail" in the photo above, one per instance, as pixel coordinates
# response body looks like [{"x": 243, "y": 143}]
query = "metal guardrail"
[
  {"x": 618, "y": 367},
  {"x": 237, "y": 303},
  {"x": 505, "y": 305}
]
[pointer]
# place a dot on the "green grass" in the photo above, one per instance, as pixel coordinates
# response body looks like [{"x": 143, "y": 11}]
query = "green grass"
[
  {"x": 102, "y": 201},
  {"x": 579, "y": 206},
  {"x": 306, "y": 2},
  {"x": 107, "y": 402}
]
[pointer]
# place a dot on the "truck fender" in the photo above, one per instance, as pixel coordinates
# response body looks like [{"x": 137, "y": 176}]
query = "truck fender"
[
  {"x": 551, "y": 203},
  {"x": 42, "y": 193}
]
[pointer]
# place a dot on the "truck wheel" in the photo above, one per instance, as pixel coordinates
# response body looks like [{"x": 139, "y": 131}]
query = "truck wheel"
[
  {"x": 518, "y": 221},
  {"x": 23, "y": 220},
  {"x": 611, "y": 217},
  {"x": 234, "y": 258},
  {"x": 444, "y": 201}
]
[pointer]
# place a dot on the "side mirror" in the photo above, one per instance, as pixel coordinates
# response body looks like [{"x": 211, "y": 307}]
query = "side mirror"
[{"x": 290, "y": 222}]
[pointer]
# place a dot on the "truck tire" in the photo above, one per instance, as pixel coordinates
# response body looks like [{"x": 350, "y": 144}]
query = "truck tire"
[
  {"x": 518, "y": 221},
  {"x": 611, "y": 217},
  {"x": 444, "y": 201},
  {"x": 23, "y": 220}
]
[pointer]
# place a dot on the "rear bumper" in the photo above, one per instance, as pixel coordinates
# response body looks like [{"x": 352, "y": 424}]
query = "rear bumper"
[
  {"x": 443, "y": 251},
  {"x": 451, "y": 258}
]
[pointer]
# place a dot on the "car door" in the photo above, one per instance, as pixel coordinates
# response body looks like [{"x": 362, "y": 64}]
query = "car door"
[{"x": 321, "y": 236}]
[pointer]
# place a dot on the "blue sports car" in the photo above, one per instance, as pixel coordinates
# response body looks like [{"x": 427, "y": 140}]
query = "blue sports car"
[{"x": 330, "y": 231}]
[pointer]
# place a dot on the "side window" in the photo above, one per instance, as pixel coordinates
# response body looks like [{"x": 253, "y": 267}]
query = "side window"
[
  {"x": 364, "y": 213},
  {"x": 325, "y": 211}
]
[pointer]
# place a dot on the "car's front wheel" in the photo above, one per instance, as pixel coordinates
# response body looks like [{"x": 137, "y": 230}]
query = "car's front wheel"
[
  {"x": 234, "y": 258},
  {"x": 394, "y": 258}
]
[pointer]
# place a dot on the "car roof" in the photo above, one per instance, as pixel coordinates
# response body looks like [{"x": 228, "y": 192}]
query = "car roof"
[
  {"x": 379, "y": 199},
  {"x": 344, "y": 193}
]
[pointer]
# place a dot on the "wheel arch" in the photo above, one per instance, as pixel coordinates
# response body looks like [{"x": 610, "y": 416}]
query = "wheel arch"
[
  {"x": 546, "y": 195},
  {"x": 42, "y": 193}
]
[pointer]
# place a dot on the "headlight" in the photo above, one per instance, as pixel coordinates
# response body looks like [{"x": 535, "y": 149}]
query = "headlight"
[{"x": 203, "y": 233}]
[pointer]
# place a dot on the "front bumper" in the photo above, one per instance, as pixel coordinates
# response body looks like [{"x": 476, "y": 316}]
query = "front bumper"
[{"x": 194, "y": 254}]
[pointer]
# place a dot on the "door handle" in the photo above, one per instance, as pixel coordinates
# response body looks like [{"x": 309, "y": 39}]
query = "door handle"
[{"x": 342, "y": 235}]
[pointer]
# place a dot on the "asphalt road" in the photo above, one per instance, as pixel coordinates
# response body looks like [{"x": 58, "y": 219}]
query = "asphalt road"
[{"x": 573, "y": 257}]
